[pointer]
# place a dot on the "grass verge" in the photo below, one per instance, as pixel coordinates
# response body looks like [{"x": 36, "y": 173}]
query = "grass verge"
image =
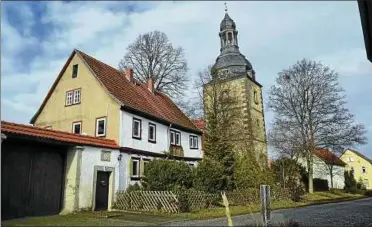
[
  {"x": 142, "y": 218},
  {"x": 309, "y": 199}
]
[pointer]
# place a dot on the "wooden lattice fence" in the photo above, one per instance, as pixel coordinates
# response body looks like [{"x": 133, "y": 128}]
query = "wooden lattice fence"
[{"x": 166, "y": 201}]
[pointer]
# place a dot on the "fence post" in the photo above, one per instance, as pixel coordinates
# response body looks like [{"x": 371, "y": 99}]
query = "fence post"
[{"x": 265, "y": 203}]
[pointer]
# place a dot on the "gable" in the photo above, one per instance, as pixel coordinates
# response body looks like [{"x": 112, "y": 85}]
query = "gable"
[
  {"x": 353, "y": 153},
  {"x": 86, "y": 80}
]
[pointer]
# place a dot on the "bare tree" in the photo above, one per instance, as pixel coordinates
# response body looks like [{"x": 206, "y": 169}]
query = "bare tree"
[
  {"x": 310, "y": 108},
  {"x": 152, "y": 55}
]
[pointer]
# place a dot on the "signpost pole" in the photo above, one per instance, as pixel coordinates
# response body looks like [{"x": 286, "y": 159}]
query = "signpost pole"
[{"x": 265, "y": 204}]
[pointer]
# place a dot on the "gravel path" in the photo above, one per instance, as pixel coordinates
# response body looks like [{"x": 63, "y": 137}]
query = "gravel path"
[{"x": 350, "y": 213}]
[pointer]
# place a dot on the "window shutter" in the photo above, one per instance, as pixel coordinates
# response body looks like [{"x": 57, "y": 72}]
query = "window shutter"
[{"x": 141, "y": 167}]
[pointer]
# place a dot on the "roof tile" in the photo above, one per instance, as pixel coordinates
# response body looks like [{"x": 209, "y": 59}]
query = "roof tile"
[
  {"x": 137, "y": 95},
  {"x": 28, "y": 130}
]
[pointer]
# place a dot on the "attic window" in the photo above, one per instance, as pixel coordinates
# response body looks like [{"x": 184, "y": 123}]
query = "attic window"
[{"x": 75, "y": 70}]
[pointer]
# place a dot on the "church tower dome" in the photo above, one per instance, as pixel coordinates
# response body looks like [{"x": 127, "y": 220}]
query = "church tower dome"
[{"x": 230, "y": 62}]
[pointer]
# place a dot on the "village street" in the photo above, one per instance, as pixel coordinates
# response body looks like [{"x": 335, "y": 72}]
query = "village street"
[{"x": 350, "y": 213}]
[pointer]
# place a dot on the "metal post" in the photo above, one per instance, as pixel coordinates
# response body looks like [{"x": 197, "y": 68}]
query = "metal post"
[{"x": 265, "y": 204}]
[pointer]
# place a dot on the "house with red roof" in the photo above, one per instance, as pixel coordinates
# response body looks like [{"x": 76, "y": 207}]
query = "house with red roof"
[
  {"x": 92, "y": 98},
  {"x": 327, "y": 166},
  {"x": 47, "y": 172}
]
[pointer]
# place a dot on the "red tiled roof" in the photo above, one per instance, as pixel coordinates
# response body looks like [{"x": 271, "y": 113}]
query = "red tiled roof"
[
  {"x": 328, "y": 157},
  {"x": 28, "y": 130},
  {"x": 133, "y": 95},
  {"x": 200, "y": 123}
]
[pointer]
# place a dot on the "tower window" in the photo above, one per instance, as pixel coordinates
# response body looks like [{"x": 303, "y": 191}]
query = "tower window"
[
  {"x": 255, "y": 97},
  {"x": 229, "y": 36}
]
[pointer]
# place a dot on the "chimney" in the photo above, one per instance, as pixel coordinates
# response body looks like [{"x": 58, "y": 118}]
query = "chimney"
[
  {"x": 150, "y": 84},
  {"x": 129, "y": 74}
]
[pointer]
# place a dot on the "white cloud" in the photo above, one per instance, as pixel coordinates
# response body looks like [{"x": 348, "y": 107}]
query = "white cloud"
[{"x": 272, "y": 35}]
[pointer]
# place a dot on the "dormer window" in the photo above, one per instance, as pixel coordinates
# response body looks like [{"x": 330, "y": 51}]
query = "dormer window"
[{"x": 75, "y": 70}]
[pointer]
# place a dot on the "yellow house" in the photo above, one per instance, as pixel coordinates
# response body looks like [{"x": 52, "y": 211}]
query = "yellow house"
[{"x": 359, "y": 165}]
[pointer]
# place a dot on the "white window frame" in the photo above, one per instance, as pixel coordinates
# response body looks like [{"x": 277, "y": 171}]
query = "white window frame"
[
  {"x": 139, "y": 121},
  {"x": 69, "y": 97},
  {"x": 173, "y": 134},
  {"x": 137, "y": 161},
  {"x": 179, "y": 139},
  {"x": 154, "y": 130},
  {"x": 104, "y": 126},
  {"x": 77, "y": 96},
  {"x": 172, "y": 137},
  {"x": 73, "y": 127},
  {"x": 194, "y": 142}
]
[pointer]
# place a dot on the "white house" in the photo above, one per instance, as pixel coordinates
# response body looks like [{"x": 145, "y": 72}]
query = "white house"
[
  {"x": 325, "y": 163},
  {"x": 144, "y": 138}
]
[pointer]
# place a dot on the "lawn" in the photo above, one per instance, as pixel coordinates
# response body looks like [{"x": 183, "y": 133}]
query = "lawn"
[
  {"x": 309, "y": 199},
  {"x": 143, "y": 219}
]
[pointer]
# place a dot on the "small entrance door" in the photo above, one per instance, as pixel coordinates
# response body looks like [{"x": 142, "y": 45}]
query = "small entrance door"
[{"x": 102, "y": 190}]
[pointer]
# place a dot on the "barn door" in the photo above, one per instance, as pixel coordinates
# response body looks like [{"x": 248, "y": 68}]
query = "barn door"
[
  {"x": 15, "y": 166},
  {"x": 102, "y": 190},
  {"x": 46, "y": 184},
  {"x": 31, "y": 179}
]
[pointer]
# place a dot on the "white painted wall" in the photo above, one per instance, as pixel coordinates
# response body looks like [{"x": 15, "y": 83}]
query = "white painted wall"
[
  {"x": 162, "y": 137},
  {"x": 321, "y": 170},
  {"x": 91, "y": 156}
]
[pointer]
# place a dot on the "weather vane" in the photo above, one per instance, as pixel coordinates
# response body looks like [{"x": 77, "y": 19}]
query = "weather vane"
[{"x": 225, "y": 7}]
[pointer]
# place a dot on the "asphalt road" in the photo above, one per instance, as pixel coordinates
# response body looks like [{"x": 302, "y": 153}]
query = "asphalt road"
[{"x": 350, "y": 213}]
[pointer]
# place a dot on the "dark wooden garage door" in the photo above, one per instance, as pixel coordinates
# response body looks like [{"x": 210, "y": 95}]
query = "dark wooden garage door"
[{"x": 31, "y": 179}]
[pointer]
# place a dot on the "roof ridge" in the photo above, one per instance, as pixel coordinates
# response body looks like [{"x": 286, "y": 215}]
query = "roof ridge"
[
  {"x": 81, "y": 52},
  {"x": 51, "y": 130}
]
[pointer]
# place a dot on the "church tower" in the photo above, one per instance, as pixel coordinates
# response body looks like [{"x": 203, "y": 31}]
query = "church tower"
[{"x": 232, "y": 67}]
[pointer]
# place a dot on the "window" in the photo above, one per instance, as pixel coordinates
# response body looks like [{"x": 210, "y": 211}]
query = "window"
[
  {"x": 152, "y": 133},
  {"x": 76, "y": 127},
  {"x": 73, "y": 97},
  {"x": 77, "y": 96},
  {"x": 74, "y": 71},
  {"x": 172, "y": 133},
  {"x": 351, "y": 159},
  {"x": 175, "y": 138},
  {"x": 364, "y": 170},
  {"x": 101, "y": 126},
  {"x": 255, "y": 97},
  {"x": 136, "y": 131},
  {"x": 352, "y": 170},
  {"x": 69, "y": 98},
  {"x": 135, "y": 167},
  {"x": 193, "y": 142}
]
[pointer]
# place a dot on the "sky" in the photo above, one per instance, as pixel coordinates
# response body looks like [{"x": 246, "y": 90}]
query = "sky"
[{"x": 38, "y": 37}]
